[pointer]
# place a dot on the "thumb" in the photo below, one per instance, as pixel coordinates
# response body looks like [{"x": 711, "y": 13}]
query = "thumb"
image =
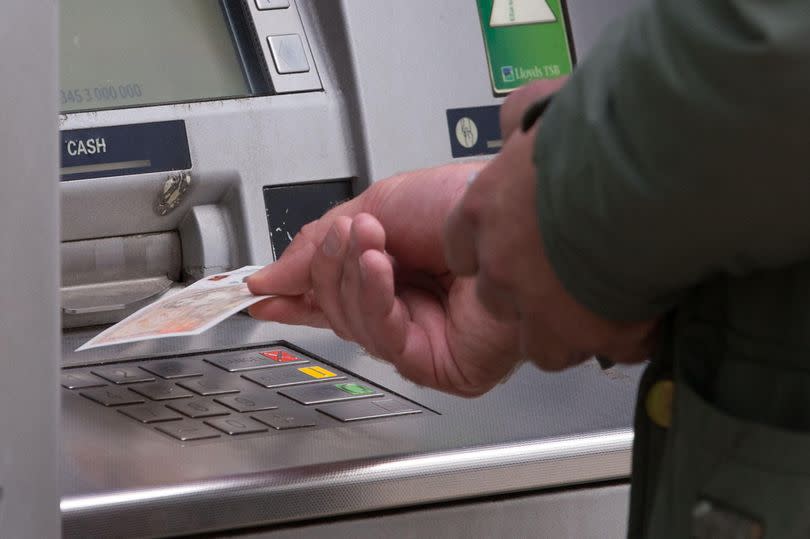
[
  {"x": 520, "y": 100},
  {"x": 288, "y": 276}
]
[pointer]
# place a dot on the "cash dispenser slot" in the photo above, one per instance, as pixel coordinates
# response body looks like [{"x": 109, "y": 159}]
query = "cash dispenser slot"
[{"x": 106, "y": 279}]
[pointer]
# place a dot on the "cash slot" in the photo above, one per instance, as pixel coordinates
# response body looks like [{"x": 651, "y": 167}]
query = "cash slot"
[{"x": 104, "y": 280}]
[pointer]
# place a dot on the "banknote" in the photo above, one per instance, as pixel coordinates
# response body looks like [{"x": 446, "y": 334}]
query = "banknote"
[{"x": 191, "y": 311}]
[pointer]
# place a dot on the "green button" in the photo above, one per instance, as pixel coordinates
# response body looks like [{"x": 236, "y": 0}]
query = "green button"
[{"x": 354, "y": 389}]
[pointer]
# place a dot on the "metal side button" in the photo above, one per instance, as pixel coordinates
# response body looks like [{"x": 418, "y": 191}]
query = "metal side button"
[
  {"x": 234, "y": 426},
  {"x": 288, "y": 53},
  {"x": 272, "y": 4},
  {"x": 185, "y": 431},
  {"x": 80, "y": 380},
  {"x": 150, "y": 413},
  {"x": 112, "y": 396},
  {"x": 123, "y": 375},
  {"x": 368, "y": 409}
]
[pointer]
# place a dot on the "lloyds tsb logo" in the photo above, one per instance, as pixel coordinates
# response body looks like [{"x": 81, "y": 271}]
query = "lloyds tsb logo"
[
  {"x": 508, "y": 74},
  {"x": 511, "y": 74}
]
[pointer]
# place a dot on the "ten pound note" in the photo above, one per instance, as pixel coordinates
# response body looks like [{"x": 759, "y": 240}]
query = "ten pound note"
[{"x": 191, "y": 311}]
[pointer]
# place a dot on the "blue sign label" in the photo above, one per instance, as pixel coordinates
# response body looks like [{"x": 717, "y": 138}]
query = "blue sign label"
[
  {"x": 474, "y": 131},
  {"x": 124, "y": 149}
]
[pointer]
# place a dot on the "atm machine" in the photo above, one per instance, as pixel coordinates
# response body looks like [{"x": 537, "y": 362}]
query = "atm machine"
[{"x": 197, "y": 136}]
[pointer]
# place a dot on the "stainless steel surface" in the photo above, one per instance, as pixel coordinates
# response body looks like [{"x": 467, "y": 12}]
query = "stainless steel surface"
[
  {"x": 29, "y": 271},
  {"x": 535, "y": 431},
  {"x": 595, "y": 513}
]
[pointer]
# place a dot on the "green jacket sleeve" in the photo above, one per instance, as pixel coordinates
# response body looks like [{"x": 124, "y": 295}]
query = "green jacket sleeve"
[{"x": 679, "y": 151}]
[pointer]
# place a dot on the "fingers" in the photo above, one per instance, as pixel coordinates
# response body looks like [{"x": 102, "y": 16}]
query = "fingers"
[
  {"x": 497, "y": 299},
  {"x": 366, "y": 234},
  {"x": 289, "y": 275},
  {"x": 460, "y": 234},
  {"x": 385, "y": 318},
  {"x": 521, "y": 99},
  {"x": 327, "y": 275},
  {"x": 295, "y": 310}
]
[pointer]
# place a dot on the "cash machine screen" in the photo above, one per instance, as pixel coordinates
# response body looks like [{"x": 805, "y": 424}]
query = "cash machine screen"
[{"x": 122, "y": 53}]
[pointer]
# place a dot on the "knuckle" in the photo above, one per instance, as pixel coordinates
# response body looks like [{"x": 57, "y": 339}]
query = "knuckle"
[
  {"x": 307, "y": 232},
  {"x": 494, "y": 271},
  {"x": 470, "y": 208}
]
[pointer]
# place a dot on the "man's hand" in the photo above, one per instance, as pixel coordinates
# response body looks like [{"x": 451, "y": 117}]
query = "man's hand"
[
  {"x": 373, "y": 270},
  {"x": 494, "y": 235}
]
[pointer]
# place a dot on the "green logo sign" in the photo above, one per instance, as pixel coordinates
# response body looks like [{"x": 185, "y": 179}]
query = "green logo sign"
[{"x": 526, "y": 40}]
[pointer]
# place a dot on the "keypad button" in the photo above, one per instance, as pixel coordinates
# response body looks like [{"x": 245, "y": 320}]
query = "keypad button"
[
  {"x": 123, "y": 375},
  {"x": 187, "y": 431},
  {"x": 199, "y": 408},
  {"x": 236, "y": 425},
  {"x": 368, "y": 409},
  {"x": 150, "y": 413},
  {"x": 79, "y": 380},
  {"x": 112, "y": 396},
  {"x": 281, "y": 356},
  {"x": 288, "y": 53},
  {"x": 323, "y": 393},
  {"x": 174, "y": 368},
  {"x": 283, "y": 419},
  {"x": 292, "y": 376},
  {"x": 272, "y": 4},
  {"x": 161, "y": 391},
  {"x": 260, "y": 360},
  {"x": 250, "y": 401},
  {"x": 210, "y": 386}
]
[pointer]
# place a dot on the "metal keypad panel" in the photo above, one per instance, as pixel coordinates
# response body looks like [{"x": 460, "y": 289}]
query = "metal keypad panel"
[{"x": 234, "y": 394}]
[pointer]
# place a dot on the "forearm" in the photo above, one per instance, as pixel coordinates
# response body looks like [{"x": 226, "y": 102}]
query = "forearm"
[{"x": 677, "y": 152}]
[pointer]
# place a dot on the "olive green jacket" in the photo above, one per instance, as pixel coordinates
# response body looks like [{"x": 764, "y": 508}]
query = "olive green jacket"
[{"x": 674, "y": 180}]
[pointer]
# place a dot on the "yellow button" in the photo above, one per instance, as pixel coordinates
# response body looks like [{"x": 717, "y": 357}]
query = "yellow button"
[
  {"x": 317, "y": 372},
  {"x": 659, "y": 403}
]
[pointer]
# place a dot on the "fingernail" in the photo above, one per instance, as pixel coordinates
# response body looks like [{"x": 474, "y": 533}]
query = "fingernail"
[
  {"x": 258, "y": 275},
  {"x": 331, "y": 244}
]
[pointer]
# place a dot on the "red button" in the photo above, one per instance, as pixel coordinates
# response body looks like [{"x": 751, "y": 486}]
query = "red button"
[{"x": 281, "y": 356}]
